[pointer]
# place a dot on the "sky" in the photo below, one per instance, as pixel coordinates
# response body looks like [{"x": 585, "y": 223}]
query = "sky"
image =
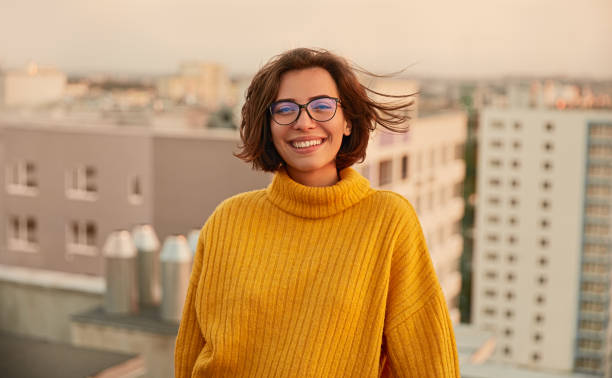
[{"x": 468, "y": 38}]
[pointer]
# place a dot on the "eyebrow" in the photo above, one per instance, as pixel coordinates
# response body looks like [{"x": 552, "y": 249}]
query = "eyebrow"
[{"x": 309, "y": 98}]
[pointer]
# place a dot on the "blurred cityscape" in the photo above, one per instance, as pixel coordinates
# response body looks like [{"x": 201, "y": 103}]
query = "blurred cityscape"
[{"x": 103, "y": 174}]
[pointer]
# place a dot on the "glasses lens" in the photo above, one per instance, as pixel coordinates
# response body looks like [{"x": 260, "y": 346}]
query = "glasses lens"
[
  {"x": 322, "y": 109},
  {"x": 284, "y": 112}
]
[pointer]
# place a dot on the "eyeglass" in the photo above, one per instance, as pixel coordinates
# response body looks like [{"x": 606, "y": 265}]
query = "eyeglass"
[{"x": 320, "y": 109}]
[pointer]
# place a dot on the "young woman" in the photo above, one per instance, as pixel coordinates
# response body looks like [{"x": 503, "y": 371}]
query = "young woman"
[{"x": 318, "y": 275}]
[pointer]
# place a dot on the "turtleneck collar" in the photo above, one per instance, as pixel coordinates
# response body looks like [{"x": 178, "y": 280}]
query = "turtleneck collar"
[{"x": 318, "y": 202}]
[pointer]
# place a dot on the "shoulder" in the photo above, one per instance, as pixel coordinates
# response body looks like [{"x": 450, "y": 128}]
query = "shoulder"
[
  {"x": 399, "y": 212},
  {"x": 240, "y": 202},
  {"x": 236, "y": 204},
  {"x": 395, "y": 202}
]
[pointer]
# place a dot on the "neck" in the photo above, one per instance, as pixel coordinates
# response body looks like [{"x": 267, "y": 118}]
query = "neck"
[{"x": 325, "y": 177}]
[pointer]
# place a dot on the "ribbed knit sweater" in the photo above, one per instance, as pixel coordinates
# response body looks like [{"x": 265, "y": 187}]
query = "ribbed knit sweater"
[{"x": 297, "y": 281}]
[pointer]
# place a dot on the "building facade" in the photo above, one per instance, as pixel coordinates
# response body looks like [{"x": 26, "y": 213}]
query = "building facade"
[
  {"x": 541, "y": 270},
  {"x": 64, "y": 189},
  {"x": 426, "y": 166}
]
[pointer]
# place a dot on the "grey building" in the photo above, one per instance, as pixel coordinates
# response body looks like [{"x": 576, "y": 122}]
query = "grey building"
[{"x": 66, "y": 187}]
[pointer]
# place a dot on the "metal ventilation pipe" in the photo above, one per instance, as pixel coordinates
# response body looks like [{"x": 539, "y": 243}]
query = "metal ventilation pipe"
[
  {"x": 147, "y": 244},
  {"x": 121, "y": 273},
  {"x": 192, "y": 240},
  {"x": 176, "y": 267}
]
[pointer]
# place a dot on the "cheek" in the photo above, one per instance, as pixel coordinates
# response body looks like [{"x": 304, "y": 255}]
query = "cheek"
[{"x": 277, "y": 137}]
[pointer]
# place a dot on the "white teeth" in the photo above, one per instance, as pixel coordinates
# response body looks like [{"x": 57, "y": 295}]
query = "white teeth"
[{"x": 306, "y": 143}]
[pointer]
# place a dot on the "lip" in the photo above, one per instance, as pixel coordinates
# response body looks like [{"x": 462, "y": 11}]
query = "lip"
[{"x": 306, "y": 150}]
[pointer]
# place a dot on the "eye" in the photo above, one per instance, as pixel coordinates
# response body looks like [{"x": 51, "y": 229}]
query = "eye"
[
  {"x": 284, "y": 108},
  {"x": 322, "y": 104}
]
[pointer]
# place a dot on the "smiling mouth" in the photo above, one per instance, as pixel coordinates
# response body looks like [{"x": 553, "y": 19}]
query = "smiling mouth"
[{"x": 306, "y": 143}]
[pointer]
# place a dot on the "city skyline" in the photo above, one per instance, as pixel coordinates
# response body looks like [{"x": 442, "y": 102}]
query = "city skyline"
[{"x": 477, "y": 38}]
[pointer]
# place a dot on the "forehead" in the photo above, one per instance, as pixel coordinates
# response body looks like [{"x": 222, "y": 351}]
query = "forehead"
[{"x": 301, "y": 85}]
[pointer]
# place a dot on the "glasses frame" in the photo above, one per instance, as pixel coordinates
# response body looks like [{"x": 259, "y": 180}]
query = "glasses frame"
[{"x": 305, "y": 107}]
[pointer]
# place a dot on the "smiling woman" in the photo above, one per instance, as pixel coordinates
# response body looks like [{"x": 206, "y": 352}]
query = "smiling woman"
[{"x": 318, "y": 275}]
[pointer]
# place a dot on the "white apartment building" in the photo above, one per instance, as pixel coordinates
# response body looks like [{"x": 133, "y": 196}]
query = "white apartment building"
[
  {"x": 31, "y": 86},
  {"x": 541, "y": 264},
  {"x": 426, "y": 166}
]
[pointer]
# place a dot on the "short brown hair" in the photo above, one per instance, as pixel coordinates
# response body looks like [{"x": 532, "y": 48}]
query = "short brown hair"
[{"x": 362, "y": 112}]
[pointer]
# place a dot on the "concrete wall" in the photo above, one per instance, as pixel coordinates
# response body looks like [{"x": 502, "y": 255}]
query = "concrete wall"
[
  {"x": 157, "y": 350},
  {"x": 116, "y": 156},
  {"x": 193, "y": 174},
  {"x": 40, "y": 304}
]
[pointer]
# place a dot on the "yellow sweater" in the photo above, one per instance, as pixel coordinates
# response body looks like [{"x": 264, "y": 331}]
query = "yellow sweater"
[{"x": 297, "y": 281}]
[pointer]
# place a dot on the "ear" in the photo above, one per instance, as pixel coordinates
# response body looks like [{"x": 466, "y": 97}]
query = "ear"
[{"x": 347, "y": 128}]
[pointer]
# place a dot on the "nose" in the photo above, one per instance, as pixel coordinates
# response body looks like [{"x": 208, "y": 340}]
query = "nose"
[{"x": 304, "y": 121}]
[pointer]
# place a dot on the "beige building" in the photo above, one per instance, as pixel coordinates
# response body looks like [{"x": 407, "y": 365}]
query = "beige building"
[
  {"x": 31, "y": 86},
  {"x": 65, "y": 188},
  {"x": 426, "y": 166},
  {"x": 542, "y": 246},
  {"x": 197, "y": 83}
]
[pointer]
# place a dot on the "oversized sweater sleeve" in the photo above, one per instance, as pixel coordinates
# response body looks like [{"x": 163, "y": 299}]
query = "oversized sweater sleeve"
[
  {"x": 418, "y": 334},
  {"x": 190, "y": 341}
]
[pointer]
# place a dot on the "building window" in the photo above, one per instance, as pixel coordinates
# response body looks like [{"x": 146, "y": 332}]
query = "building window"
[
  {"x": 542, "y": 280},
  {"x": 81, "y": 238},
  {"x": 22, "y": 233},
  {"x": 432, "y": 159},
  {"x": 507, "y": 351},
  {"x": 548, "y": 146},
  {"x": 489, "y": 311},
  {"x": 493, "y": 200},
  {"x": 459, "y": 151},
  {"x": 549, "y": 127},
  {"x": 21, "y": 178},
  {"x": 497, "y": 124},
  {"x": 365, "y": 171},
  {"x": 491, "y": 256},
  {"x": 496, "y": 163},
  {"x": 495, "y": 144},
  {"x": 458, "y": 190},
  {"x": 491, "y": 293},
  {"x": 494, "y": 181},
  {"x": 385, "y": 172},
  {"x": 491, "y": 275},
  {"x": 405, "y": 167},
  {"x": 135, "y": 191},
  {"x": 81, "y": 183}
]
